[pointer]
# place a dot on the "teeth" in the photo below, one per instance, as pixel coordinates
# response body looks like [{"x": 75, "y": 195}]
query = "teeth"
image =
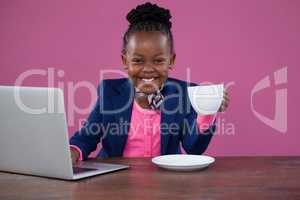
[{"x": 148, "y": 80}]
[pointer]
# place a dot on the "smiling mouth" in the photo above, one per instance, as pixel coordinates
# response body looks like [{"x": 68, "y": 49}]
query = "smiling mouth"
[{"x": 148, "y": 80}]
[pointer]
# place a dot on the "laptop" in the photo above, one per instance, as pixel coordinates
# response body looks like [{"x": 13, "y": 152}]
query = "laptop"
[{"x": 34, "y": 136}]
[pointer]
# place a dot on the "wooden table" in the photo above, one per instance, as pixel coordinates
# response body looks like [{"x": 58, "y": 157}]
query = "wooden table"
[{"x": 228, "y": 178}]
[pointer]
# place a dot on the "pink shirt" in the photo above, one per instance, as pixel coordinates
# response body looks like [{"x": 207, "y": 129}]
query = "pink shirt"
[{"x": 144, "y": 132}]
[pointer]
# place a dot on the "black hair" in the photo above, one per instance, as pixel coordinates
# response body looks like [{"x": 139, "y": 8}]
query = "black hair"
[{"x": 148, "y": 17}]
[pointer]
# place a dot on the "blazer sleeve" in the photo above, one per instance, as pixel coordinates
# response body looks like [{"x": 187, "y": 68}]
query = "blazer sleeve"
[
  {"x": 88, "y": 137},
  {"x": 193, "y": 140}
]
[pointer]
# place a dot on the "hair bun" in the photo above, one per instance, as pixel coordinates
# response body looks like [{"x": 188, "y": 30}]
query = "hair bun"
[{"x": 149, "y": 12}]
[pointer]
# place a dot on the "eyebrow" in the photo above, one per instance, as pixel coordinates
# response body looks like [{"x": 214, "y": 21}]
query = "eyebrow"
[
  {"x": 137, "y": 54},
  {"x": 159, "y": 54}
]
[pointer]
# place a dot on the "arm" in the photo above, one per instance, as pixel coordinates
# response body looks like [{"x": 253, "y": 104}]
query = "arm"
[
  {"x": 88, "y": 137},
  {"x": 76, "y": 153},
  {"x": 205, "y": 121},
  {"x": 195, "y": 140}
]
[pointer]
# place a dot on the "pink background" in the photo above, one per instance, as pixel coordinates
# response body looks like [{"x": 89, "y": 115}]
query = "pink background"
[{"x": 220, "y": 41}]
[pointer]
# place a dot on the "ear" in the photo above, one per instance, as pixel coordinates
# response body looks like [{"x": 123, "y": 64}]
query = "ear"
[
  {"x": 124, "y": 61},
  {"x": 172, "y": 60}
]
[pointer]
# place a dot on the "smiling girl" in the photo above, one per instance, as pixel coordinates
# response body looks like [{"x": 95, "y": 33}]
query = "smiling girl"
[{"x": 147, "y": 114}]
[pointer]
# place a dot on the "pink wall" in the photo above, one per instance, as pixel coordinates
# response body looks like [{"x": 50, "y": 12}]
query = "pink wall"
[{"x": 233, "y": 41}]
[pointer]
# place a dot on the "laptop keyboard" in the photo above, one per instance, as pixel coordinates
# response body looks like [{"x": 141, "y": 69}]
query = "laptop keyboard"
[{"x": 77, "y": 170}]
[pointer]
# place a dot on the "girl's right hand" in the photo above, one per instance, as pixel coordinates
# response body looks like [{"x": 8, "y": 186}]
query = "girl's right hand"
[{"x": 74, "y": 155}]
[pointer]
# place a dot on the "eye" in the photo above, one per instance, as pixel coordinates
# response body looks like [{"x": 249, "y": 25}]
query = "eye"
[
  {"x": 159, "y": 61},
  {"x": 137, "y": 60}
]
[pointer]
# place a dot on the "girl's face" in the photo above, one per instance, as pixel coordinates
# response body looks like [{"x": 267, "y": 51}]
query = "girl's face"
[{"x": 147, "y": 60}]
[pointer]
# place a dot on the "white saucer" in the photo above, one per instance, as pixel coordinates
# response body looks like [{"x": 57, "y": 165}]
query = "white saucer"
[{"x": 183, "y": 162}]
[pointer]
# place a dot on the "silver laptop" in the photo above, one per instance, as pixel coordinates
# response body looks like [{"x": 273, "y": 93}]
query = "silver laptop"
[{"x": 34, "y": 136}]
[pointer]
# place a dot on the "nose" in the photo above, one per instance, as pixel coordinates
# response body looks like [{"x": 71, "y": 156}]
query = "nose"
[{"x": 148, "y": 68}]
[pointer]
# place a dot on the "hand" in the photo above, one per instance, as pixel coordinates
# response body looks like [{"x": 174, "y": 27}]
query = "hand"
[
  {"x": 225, "y": 102},
  {"x": 74, "y": 156}
]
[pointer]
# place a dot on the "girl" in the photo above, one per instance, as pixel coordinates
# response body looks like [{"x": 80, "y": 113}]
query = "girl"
[{"x": 147, "y": 114}]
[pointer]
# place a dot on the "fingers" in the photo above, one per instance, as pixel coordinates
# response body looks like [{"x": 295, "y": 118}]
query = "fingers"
[
  {"x": 226, "y": 95},
  {"x": 222, "y": 108},
  {"x": 74, "y": 156},
  {"x": 74, "y": 160},
  {"x": 225, "y": 102}
]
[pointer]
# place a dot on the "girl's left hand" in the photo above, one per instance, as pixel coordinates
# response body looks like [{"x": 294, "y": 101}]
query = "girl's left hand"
[{"x": 225, "y": 102}]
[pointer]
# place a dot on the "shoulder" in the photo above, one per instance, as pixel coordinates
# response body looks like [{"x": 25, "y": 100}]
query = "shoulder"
[
  {"x": 111, "y": 86},
  {"x": 180, "y": 83},
  {"x": 113, "y": 82}
]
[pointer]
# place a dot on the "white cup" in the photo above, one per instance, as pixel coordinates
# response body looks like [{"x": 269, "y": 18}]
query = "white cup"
[{"x": 206, "y": 99}]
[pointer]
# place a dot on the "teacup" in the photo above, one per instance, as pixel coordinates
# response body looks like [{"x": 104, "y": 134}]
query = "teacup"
[{"x": 206, "y": 99}]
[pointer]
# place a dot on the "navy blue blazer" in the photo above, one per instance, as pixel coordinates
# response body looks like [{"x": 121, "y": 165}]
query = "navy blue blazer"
[{"x": 109, "y": 120}]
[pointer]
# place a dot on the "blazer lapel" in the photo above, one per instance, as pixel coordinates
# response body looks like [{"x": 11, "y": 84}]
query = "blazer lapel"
[
  {"x": 122, "y": 104},
  {"x": 169, "y": 110}
]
